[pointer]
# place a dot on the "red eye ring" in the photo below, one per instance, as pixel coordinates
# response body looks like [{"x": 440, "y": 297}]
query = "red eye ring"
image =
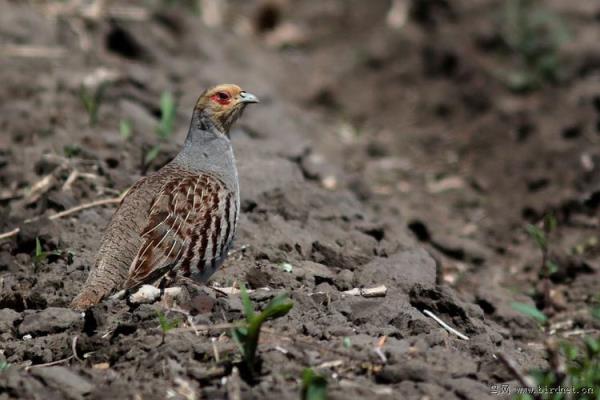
[{"x": 222, "y": 98}]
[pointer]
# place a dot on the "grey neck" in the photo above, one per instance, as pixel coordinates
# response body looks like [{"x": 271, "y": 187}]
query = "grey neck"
[{"x": 208, "y": 150}]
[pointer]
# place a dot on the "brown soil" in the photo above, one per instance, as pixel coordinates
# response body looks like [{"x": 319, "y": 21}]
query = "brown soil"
[{"x": 378, "y": 156}]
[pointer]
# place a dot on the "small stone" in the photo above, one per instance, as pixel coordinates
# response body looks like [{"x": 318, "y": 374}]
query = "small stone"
[
  {"x": 203, "y": 303},
  {"x": 233, "y": 303},
  {"x": 319, "y": 272},
  {"x": 264, "y": 294},
  {"x": 465, "y": 248},
  {"x": 341, "y": 331},
  {"x": 343, "y": 280},
  {"x": 415, "y": 371},
  {"x": 326, "y": 288},
  {"x": 71, "y": 384},
  {"x": 50, "y": 320},
  {"x": 257, "y": 278},
  {"x": 61, "y": 200},
  {"x": 46, "y": 165},
  {"x": 329, "y": 182},
  {"x": 44, "y": 230},
  {"x": 7, "y": 262},
  {"x": 7, "y": 319},
  {"x": 404, "y": 269}
]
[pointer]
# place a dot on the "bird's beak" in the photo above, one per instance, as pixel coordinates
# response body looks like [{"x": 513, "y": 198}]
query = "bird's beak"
[{"x": 246, "y": 97}]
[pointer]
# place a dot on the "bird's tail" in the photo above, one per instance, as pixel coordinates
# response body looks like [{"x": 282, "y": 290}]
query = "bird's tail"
[
  {"x": 88, "y": 297},
  {"x": 101, "y": 282}
]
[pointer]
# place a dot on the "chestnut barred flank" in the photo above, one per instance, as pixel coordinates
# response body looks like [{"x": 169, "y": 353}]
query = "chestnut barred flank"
[
  {"x": 189, "y": 228},
  {"x": 181, "y": 219}
]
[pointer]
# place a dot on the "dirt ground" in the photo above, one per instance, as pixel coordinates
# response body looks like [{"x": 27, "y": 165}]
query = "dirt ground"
[{"x": 384, "y": 152}]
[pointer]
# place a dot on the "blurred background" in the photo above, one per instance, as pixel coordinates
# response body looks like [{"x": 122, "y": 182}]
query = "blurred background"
[
  {"x": 457, "y": 123},
  {"x": 467, "y": 119}
]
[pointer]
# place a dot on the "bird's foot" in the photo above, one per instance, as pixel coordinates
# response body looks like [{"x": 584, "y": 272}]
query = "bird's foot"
[{"x": 149, "y": 294}]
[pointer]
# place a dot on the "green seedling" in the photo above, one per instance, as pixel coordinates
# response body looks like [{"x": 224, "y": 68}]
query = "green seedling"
[
  {"x": 596, "y": 312},
  {"x": 534, "y": 36},
  {"x": 541, "y": 236},
  {"x": 166, "y": 324},
  {"x": 70, "y": 256},
  {"x": 574, "y": 367},
  {"x": 71, "y": 150},
  {"x": 530, "y": 311},
  {"x": 314, "y": 386},
  {"x": 152, "y": 154},
  {"x": 164, "y": 130},
  {"x": 347, "y": 342},
  {"x": 125, "y": 129},
  {"x": 40, "y": 256},
  {"x": 4, "y": 365},
  {"x": 247, "y": 334},
  {"x": 92, "y": 99},
  {"x": 188, "y": 5},
  {"x": 570, "y": 366},
  {"x": 168, "y": 111},
  {"x": 588, "y": 245}
]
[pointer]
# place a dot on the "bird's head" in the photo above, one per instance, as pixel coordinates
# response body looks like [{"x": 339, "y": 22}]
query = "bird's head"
[{"x": 223, "y": 105}]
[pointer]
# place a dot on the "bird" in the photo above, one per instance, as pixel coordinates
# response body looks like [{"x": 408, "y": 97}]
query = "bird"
[{"x": 182, "y": 218}]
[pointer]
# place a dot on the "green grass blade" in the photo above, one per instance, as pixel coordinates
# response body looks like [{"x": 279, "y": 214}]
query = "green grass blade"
[
  {"x": 530, "y": 311},
  {"x": 152, "y": 154},
  {"x": 167, "y": 115},
  {"x": 537, "y": 235},
  {"x": 278, "y": 307},
  {"x": 246, "y": 303},
  {"x": 38, "y": 249},
  {"x": 314, "y": 386},
  {"x": 125, "y": 129}
]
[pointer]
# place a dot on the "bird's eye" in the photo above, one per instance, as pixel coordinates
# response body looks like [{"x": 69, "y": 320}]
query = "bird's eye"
[{"x": 222, "y": 98}]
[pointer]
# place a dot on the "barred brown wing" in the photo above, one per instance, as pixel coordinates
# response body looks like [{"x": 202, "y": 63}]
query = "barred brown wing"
[{"x": 190, "y": 226}]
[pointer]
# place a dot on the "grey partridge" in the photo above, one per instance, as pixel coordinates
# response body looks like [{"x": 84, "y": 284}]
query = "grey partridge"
[{"x": 182, "y": 218}]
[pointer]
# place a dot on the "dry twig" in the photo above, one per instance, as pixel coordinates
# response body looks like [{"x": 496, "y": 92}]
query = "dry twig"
[
  {"x": 96, "y": 11},
  {"x": 27, "y": 51},
  {"x": 205, "y": 328},
  {"x": 234, "y": 391},
  {"x": 64, "y": 360},
  {"x": 74, "y": 348},
  {"x": 378, "y": 291},
  {"x": 378, "y": 349},
  {"x": 523, "y": 379},
  {"x": 73, "y": 210},
  {"x": 445, "y": 325}
]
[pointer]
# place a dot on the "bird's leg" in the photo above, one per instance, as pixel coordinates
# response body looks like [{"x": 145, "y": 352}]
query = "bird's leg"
[
  {"x": 166, "y": 281},
  {"x": 128, "y": 301},
  {"x": 162, "y": 285}
]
